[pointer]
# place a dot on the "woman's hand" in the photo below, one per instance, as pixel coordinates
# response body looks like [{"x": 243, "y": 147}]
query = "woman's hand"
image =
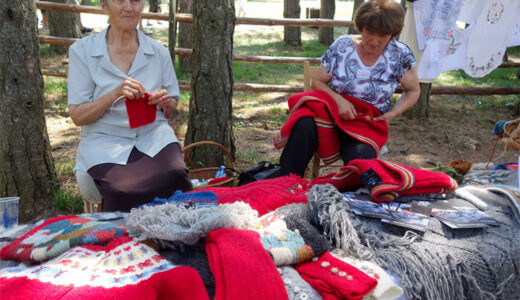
[
  {"x": 346, "y": 110},
  {"x": 163, "y": 99},
  {"x": 388, "y": 117},
  {"x": 131, "y": 89}
]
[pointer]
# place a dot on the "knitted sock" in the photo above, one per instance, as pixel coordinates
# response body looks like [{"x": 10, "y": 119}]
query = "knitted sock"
[
  {"x": 335, "y": 279},
  {"x": 297, "y": 288},
  {"x": 285, "y": 246},
  {"x": 386, "y": 289},
  {"x": 241, "y": 267},
  {"x": 139, "y": 112}
]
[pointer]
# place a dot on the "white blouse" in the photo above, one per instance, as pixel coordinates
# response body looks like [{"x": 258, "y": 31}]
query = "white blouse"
[
  {"x": 92, "y": 75},
  {"x": 375, "y": 84}
]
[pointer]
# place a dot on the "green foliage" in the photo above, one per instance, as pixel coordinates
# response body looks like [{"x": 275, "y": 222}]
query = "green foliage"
[{"x": 67, "y": 201}]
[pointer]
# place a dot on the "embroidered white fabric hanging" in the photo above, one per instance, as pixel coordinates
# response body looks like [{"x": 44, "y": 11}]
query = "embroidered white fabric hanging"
[
  {"x": 514, "y": 40},
  {"x": 435, "y": 20},
  {"x": 488, "y": 39},
  {"x": 435, "y": 25}
]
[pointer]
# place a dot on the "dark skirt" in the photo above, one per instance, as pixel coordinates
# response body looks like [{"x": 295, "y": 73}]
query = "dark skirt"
[{"x": 143, "y": 178}]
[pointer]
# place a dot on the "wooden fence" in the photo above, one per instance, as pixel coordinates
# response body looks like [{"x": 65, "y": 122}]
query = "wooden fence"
[{"x": 251, "y": 87}]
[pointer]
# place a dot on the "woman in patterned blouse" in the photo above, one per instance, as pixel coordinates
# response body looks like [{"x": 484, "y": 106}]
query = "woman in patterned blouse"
[{"x": 369, "y": 67}]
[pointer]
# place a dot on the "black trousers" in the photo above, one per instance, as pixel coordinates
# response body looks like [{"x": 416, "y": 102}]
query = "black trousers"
[{"x": 303, "y": 143}]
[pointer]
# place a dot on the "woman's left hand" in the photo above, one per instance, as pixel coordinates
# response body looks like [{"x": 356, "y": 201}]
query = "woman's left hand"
[
  {"x": 388, "y": 117},
  {"x": 159, "y": 97}
]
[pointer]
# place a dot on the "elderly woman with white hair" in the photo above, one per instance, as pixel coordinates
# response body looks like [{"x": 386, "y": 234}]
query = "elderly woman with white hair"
[{"x": 120, "y": 85}]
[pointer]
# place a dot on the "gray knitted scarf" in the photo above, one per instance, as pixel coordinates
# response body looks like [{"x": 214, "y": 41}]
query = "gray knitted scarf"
[
  {"x": 441, "y": 264},
  {"x": 174, "y": 223}
]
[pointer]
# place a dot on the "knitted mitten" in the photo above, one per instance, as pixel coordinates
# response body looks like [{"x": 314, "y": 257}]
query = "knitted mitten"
[
  {"x": 385, "y": 289},
  {"x": 335, "y": 279}
]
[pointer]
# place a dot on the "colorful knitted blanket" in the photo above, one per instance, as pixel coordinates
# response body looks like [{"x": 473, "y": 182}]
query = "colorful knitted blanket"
[
  {"x": 265, "y": 195},
  {"x": 58, "y": 235},
  {"x": 322, "y": 107},
  {"x": 387, "y": 180},
  {"x": 124, "y": 269}
]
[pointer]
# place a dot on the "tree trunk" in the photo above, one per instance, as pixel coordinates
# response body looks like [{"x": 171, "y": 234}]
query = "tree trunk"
[
  {"x": 421, "y": 110},
  {"x": 210, "y": 116},
  {"x": 26, "y": 166},
  {"x": 357, "y": 4},
  {"x": 292, "y": 35},
  {"x": 172, "y": 29},
  {"x": 327, "y": 10},
  {"x": 185, "y": 34},
  {"x": 62, "y": 24}
]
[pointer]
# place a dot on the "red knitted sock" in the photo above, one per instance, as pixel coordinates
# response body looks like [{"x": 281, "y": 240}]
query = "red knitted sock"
[
  {"x": 139, "y": 112},
  {"x": 241, "y": 267},
  {"x": 335, "y": 279}
]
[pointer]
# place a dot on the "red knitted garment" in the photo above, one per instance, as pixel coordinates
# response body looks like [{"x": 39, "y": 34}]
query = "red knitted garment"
[
  {"x": 139, "y": 112},
  {"x": 387, "y": 180},
  {"x": 265, "y": 195},
  {"x": 322, "y": 107},
  {"x": 124, "y": 269},
  {"x": 241, "y": 267},
  {"x": 335, "y": 279}
]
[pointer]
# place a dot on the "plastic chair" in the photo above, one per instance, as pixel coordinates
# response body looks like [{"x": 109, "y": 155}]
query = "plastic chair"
[{"x": 89, "y": 192}]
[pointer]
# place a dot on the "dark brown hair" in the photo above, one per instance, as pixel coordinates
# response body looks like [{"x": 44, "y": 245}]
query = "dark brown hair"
[{"x": 381, "y": 17}]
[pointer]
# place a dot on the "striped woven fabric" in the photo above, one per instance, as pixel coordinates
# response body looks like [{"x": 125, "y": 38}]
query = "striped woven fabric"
[
  {"x": 322, "y": 107},
  {"x": 387, "y": 180}
]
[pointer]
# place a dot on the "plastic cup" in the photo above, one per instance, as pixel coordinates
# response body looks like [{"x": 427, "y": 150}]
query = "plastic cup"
[{"x": 8, "y": 212}]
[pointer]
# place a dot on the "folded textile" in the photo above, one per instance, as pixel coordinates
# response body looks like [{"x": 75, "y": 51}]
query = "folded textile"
[
  {"x": 178, "y": 224},
  {"x": 387, "y": 180},
  {"x": 285, "y": 246},
  {"x": 124, "y": 269},
  {"x": 58, "y": 235},
  {"x": 265, "y": 195},
  {"x": 322, "y": 107},
  {"x": 241, "y": 267},
  {"x": 188, "y": 200},
  {"x": 386, "y": 289},
  {"x": 297, "y": 217},
  {"x": 296, "y": 287},
  {"x": 335, "y": 279},
  {"x": 139, "y": 112}
]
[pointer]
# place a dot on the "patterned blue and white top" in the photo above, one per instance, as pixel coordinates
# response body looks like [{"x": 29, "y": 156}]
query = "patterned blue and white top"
[{"x": 375, "y": 84}]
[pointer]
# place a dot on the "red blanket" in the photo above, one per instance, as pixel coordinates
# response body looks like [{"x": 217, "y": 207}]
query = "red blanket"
[
  {"x": 322, "y": 107},
  {"x": 387, "y": 180}
]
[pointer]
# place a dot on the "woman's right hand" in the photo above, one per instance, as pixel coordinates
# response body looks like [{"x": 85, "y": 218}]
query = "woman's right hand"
[
  {"x": 346, "y": 110},
  {"x": 131, "y": 89}
]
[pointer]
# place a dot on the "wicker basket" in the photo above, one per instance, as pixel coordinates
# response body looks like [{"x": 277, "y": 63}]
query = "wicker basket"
[
  {"x": 210, "y": 172},
  {"x": 510, "y": 139}
]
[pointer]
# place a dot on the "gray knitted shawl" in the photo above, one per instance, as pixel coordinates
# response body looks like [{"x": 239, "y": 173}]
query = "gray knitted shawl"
[{"x": 440, "y": 264}]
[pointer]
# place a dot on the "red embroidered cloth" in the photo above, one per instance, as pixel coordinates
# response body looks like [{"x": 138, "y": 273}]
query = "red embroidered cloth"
[{"x": 322, "y": 107}]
